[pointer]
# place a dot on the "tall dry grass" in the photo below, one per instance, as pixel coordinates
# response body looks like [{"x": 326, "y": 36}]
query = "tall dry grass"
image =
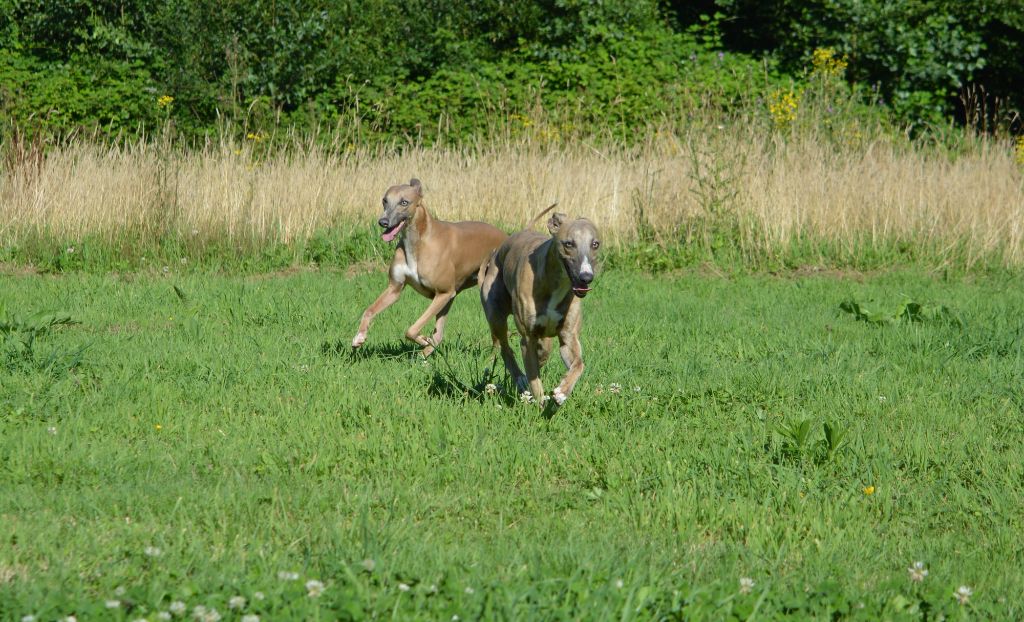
[{"x": 768, "y": 190}]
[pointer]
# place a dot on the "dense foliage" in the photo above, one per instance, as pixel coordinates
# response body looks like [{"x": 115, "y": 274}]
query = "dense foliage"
[{"x": 395, "y": 69}]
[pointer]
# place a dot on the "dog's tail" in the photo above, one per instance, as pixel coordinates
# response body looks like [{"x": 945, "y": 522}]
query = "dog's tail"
[{"x": 538, "y": 216}]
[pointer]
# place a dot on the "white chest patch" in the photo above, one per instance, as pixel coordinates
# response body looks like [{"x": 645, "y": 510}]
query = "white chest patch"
[
  {"x": 404, "y": 273},
  {"x": 408, "y": 272},
  {"x": 548, "y": 317}
]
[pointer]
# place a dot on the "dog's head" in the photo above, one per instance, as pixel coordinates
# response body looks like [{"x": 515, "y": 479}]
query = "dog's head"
[
  {"x": 577, "y": 242},
  {"x": 399, "y": 204}
]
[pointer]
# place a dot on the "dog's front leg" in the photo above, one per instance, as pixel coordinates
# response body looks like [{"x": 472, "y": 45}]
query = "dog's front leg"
[
  {"x": 441, "y": 301},
  {"x": 572, "y": 356},
  {"x": 385, "y": 300}
]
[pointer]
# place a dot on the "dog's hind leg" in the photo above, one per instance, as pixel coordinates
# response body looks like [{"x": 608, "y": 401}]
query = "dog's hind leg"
[
  {"x": 439, "y": 321},
  {"x": 531, "y": 361},
  {"x": 544, "y": 350},
  {"x": 441, "y": 301},
  {"x": 385, "y": 300},
  {"x": 499, "y": 332}
]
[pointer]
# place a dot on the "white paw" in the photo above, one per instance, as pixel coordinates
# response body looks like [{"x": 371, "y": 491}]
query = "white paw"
[
  {"x": 358, "y": 340},
  {"x": 559, "y": 396}
]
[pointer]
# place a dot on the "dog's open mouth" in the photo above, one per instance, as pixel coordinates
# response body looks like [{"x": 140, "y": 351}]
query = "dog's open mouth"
[
  {"x": 581, "y": 290},
  {"x": 389, "y": 234}
]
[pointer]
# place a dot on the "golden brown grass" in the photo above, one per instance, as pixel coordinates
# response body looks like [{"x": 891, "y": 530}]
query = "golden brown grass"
[{"x": 767, "y": 190}]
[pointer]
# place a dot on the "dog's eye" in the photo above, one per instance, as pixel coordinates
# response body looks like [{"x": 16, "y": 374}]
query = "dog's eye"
[
  {"x": 405, "y": 202},
  {"x": 569, "y": 244},
  {"x": 595, "y": 244}
]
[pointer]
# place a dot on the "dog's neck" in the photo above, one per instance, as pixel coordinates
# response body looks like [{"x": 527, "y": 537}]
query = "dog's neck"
[
  {"x": 418, "y": 227},
  {"x": 554, "y": 272}
]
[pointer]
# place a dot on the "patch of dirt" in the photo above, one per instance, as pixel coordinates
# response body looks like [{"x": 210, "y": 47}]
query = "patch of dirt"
[
  {"x": 14, "y": 269},
  {"x": 9, "y": 573},
  {"x": 283, "y": 273},
  {"x": 846, "y": 274},
  {"x": 117, "y": 329},
  {"x": 366, "y": 266}
]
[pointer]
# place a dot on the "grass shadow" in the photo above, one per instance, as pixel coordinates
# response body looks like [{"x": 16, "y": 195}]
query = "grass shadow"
[{"x": 384, "y": 351}]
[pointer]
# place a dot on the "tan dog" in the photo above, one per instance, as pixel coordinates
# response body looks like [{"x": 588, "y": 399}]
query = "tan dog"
[
  {"x": 540, "y": 280},
  {"x": 436, "y": 258}
]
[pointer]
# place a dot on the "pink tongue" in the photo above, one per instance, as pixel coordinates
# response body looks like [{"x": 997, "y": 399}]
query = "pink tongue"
[{"x": 390, "y": 235}]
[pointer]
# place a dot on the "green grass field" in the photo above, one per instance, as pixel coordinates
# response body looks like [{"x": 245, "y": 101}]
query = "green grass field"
[{"x": 191, "y": 445}]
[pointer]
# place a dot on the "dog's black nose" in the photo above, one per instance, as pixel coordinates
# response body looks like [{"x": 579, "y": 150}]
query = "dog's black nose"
[
  {"x": 383, "y": 222},
  {"x": 586, "y": 277}
]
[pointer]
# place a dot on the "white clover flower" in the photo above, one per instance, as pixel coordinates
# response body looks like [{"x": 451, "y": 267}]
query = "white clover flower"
[
  {"x": 314, "y": 588},
  {"x": 152, "y": 551},
  {"x": 917, "y": 572},
  {"x": 963, "y": 594},
  {"x": 403, "y": 587},
  {"x": 456, "y": 618},
  {"x": 433, "y": 588},
  {"x": 178, "y": 608},
  {"x": 491, "y": 389},
  {"x": 69, "y": 619},
  {"x": 469, "y": 590},
  {"x": 258, "y": 596},
  {"x": 112, "y": 604},
  {"x": 526, "y": 397},
  {"x": 71, "y": 250},
  {"x": 287, "y": 575},
  {"x": 746, "y": 585},
  {"x": 615, "y": 387},
  {"x": 636, "y": 389},
  {"x": 212, "y": 616},
  {"x": 236, "y": 602},
  {"x": 140, "y": 620},
  {"x": 52, "y": 429},
  {"x": 199, "y": 612},
  {"x": 250, "y": 617},
  {"x": 619, "y": 583},
  {"x": 369, "y": 565},
  {"x": 28, "y": 618},
  {"x": 119, "y": 590},
  {"x": 164, "y": 616}
]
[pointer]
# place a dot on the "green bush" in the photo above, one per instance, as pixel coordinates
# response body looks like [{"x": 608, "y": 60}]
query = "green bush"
[
  {"x": 430, "y": 68},
  {"x": 920, "y": 54}
]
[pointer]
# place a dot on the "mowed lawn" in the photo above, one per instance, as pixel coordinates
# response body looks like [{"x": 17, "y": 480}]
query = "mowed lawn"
[{"x": 214, "y": 439}]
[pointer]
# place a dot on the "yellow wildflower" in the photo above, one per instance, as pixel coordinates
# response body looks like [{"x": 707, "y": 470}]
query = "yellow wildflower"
[
  {"x": 869, "y": 490},
  {"x": 523, "y": 119},
  {"x": 825, "y": 62},
  {"x": 164, "y": 101},
  {"x": 1019, "y": 150},
  {"x": 255, "y": 136},
  {"x": 782, "y": 106},
  {"x": 158, "y": 427}
]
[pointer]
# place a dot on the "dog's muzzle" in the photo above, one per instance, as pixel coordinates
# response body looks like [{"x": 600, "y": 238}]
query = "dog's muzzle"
[
  {"x": 581, "y": 284},
  {"x": 390, "y": 231}
]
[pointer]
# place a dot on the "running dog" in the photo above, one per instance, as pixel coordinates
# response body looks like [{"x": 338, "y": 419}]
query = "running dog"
[
  {"x": 541, "y": 280},
  {"x": 436, "y": 258}
]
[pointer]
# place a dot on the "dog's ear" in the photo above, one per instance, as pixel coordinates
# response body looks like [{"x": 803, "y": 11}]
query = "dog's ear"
[
  {"x": 555, "y": 222},
  {"x": 415, "y": 183}
]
